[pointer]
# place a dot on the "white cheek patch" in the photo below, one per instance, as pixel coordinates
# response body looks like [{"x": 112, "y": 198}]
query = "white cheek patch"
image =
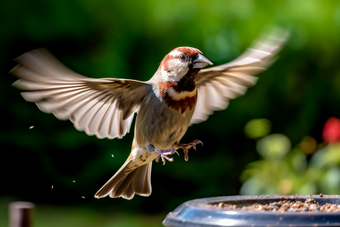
[
  {"x": 181, "y": 95},
  {"x": 164, "y": 74},
  {"x": 176, "y": 70}
]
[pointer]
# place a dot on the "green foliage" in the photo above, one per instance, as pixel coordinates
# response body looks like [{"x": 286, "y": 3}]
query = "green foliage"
[
  {"x": 300, "y": 170},
  {"x": 274, "y": 146},
  {"x": 128, "y": 39},
  {"x": 257, "y": 128}
]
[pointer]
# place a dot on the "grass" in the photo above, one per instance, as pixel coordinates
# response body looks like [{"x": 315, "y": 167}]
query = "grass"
[{"x": 74, "y": 216}]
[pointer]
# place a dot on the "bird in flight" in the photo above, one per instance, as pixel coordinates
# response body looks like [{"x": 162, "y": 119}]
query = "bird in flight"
[{"x": 179, "y": 94}]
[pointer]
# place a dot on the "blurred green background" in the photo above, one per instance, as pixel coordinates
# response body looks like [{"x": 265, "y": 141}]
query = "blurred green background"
[{"x": 128, "y": 39}]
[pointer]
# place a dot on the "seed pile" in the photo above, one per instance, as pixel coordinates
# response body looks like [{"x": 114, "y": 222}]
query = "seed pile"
[{"x": 309, "y": 205}]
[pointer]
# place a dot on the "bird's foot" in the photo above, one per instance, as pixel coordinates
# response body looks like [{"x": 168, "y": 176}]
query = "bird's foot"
[
  {"x": 187, "y": 146},
  {"x": 163, "y": 154}
]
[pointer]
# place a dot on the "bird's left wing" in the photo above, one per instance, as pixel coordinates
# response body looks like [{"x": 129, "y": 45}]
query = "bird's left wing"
[
  {"x": 217, "y": 85},
  {"x": 101, "y": 107}
]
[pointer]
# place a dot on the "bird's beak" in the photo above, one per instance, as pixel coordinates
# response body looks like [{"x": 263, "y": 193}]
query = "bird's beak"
[{"x": 201, "y": 62}]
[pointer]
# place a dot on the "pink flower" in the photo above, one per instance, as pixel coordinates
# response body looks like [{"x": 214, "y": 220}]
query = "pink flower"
[{"x": 331, "y": 130}]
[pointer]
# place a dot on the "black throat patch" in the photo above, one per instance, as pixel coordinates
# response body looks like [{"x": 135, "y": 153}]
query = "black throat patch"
[{"x": 187, "y": 83}]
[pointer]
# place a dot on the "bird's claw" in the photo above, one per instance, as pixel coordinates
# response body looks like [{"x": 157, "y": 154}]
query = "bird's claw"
[
  {"x": 163, "y": 154},
  {"x": 187, "y": 146}
]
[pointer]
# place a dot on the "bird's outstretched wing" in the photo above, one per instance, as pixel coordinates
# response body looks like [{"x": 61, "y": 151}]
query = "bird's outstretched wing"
[
  {"x": 217, "y": 85},
  {"x": 101, "y": 107}
]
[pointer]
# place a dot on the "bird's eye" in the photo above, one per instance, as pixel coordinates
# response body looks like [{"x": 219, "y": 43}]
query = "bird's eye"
[
  {"x": 197, "y": 56},
  {"x": 183, "y": 57}
]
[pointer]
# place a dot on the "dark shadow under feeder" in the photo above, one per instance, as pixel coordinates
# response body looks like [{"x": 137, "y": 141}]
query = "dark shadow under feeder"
[{"x": 207, "y": 212}]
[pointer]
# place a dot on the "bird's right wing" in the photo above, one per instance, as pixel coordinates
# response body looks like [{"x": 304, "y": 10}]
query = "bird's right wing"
[
  {"x": 217, "y": 85},
  {"x": 101, "y": 107}
]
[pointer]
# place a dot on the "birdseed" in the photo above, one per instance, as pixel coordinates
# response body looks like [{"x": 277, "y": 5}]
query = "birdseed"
[{"x": 309, "y": 205}]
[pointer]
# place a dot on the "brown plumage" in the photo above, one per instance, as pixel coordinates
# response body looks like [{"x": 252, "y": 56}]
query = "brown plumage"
[{"x": 178, "y": 94}]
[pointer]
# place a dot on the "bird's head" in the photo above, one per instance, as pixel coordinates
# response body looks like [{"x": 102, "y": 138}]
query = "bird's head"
[{"x": 180, "y": 61}]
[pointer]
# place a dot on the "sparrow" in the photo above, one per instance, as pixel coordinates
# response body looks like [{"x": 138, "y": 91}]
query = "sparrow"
[{"x": 179, "y": 94}]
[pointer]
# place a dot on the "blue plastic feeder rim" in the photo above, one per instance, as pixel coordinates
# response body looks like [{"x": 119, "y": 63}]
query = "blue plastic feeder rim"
[{"x": 198, "y": 213}]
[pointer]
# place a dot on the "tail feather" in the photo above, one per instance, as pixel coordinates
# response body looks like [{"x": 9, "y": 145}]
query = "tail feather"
[
  {"x": 129, "y": 192},
  {"x": 114, "y": 181},
  {"x": 123, "y": 187},
  {"x": 142, "y": 182},
  {"x": 126, "y": 183}
]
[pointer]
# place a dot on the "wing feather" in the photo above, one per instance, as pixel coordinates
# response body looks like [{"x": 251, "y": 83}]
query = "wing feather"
[
  {"x": 101, "y": 107},
  {"x": 96, "y": 121},
  {"x": 113, "y": 124},
  {"x": 104, "y": 126},
  {"x": 217, "y": 85},
  {"x": 90, "y": 110}
]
